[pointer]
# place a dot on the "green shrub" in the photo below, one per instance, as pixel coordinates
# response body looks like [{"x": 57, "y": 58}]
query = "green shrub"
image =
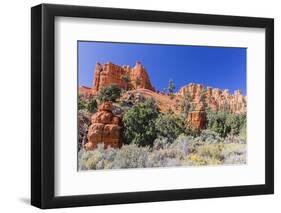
[
  {"x": 170, "y": 126},
  {"x": 109, "y": 93},
  {"x": 243, "y": 132},
  {"x": 236, "y": 122},
  {"x": 171, "y": 87},
  {"x": 186, "y": 104},
  {"x": 209, "y": 136},
  {"x": 92, "y": 105},
  {"x": 126, "y": 78},
  {"x": 217, "y": 123},
  {"x": 224, "y": 123},
  {"x": 81, "y": 103},
  {"x": 139, "y": 123}
]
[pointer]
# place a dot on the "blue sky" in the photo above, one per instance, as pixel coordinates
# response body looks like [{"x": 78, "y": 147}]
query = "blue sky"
[{"x": 219, "y": 67}]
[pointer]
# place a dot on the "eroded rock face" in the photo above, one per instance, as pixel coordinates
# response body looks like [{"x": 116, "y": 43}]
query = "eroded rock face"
[
  {"x": 85, "y": 91},
  {"x": 109, "y": 73},
  {"x": 140, "y": 78},
  {"x": 105, "y": 128},
  {"x": 215, "y": 98},
  {"x": 197, "y": 118}
]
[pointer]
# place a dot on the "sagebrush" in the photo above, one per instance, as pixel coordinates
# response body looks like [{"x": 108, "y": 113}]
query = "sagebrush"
[{"x": 184, "y": 151}]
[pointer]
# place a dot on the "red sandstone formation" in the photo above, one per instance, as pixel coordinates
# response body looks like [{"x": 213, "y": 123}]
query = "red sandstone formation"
[
  {"x": 110, "y": 73},
  {"x": 197, "y": 118},
  {"x": 215, "y": 98},
  {"x": 105, "y": 128},
  {"x": 86, "y": 91}
]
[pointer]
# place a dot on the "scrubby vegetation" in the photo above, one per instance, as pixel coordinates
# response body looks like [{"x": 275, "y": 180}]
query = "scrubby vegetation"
[
  {"x": 143, "y": 123},
  {"x": 153, "y": 138},
  {"x": 225, "y": 123},
  {"x": 171, "y": 88},
  {"x": 184, "y": 151},
  {"x": 186, "y": 105},
  {"x": 139, "y": 124},
  {"x": 110, "y": 93},
  {"x": 170, "y": 126},
  {"x": 92, "y": 106}
]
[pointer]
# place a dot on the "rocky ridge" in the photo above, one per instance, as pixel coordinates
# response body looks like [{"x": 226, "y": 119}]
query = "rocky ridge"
[
  {"x": 215, "y": 98},
  {"x": 125, "y": 77}
]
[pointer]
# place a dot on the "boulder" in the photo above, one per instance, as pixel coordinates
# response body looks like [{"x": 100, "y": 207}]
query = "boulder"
[{"x": 105, "y": 128}]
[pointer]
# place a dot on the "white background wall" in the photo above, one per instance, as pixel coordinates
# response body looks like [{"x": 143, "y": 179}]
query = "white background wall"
[{"x": 15, "y": 105}]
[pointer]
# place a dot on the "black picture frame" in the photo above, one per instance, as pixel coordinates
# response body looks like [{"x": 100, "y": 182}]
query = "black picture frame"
[{"x": 43, "y": 102}]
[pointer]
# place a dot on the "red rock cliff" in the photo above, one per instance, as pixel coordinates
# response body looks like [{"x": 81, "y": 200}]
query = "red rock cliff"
[
  {"x": 197, "y": 118},
  {"x": 110, "y": 73},
  {"x": 215, "y": 98}
]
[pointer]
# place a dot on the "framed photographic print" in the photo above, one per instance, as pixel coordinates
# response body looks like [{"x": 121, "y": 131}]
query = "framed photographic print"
[{"x": 140, "y": 106}]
